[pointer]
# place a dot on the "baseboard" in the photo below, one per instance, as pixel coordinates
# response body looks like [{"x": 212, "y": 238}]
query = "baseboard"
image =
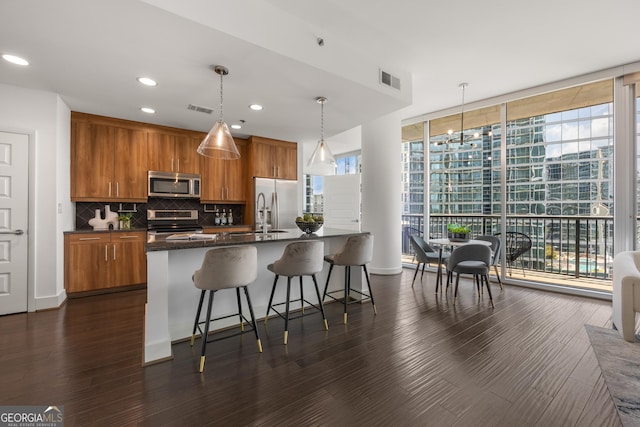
[
  {"x": 51, "y": 302},
  {"x": 385, "y": 271}
]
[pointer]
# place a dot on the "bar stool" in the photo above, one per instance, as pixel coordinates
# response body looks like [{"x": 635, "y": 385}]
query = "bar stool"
[
  {"x": 357, "y": 251},
  {"x": 225, "y": 268},
  {"x": 299, "y": 259}
]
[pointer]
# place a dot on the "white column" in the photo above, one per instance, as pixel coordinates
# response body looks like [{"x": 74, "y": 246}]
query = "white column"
[
  {"x": 381, "y": 191},
  {"x": 624, "y": 159}
]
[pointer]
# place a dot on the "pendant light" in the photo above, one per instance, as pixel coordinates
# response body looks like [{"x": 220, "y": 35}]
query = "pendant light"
[
  {"x": 322, "y": 160},
  {"x": 219, "y": 143}
]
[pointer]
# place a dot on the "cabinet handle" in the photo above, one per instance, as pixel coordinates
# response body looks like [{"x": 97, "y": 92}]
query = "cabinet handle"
[
  {"x": 178, "y": 165},
  {"x": 114, "y": 252},
  {"x": 89, "y": 238},
  {"x": 106, "y": 254},
  {"x": 129, "y": 237},
  {"x": 172, "y": 170},
  {"x": 109, "y": 188},
  {"x": 117, "y": 189}
]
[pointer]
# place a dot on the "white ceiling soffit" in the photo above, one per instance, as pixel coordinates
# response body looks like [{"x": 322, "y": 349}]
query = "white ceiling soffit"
[{"x": 90, "y": 52}]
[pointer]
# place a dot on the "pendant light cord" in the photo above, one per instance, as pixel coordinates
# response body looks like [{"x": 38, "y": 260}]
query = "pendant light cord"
[
  {"x": 463, "y": 85},
  {"x": 322, "y": 121},
  {"x": 221, "y": 97}
]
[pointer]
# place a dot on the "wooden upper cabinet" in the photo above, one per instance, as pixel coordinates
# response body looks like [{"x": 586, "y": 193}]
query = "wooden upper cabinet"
[
  {"x": 108, "y": 162},
  {"x": 160, "y": 150},
  {"x": 224, "y": 180},
  {"x": 173, "y": 152},
  {"x": 270, "y": 158},
  {"x": 130, "y": 164}
]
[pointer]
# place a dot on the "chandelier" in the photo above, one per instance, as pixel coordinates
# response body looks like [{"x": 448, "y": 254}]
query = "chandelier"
[{"x": 462, "y": 137}]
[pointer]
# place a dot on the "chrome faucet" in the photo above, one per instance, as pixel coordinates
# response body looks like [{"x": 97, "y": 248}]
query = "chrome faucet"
[{"x": 262, "y": 212}]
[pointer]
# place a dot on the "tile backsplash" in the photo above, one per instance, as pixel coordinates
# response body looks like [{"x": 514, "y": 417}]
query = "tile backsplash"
[{"x": 86, "y": 211}]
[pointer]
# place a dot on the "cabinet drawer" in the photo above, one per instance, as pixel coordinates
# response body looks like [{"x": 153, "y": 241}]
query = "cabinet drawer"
[
  {"x": 90, "y": 237},
  {"x": 129, "y": 235}
]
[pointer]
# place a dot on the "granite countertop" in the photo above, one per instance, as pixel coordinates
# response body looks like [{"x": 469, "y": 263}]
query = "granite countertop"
[
  {"x": 90, "y": 230},
  {"x": 163, "y": 243}
]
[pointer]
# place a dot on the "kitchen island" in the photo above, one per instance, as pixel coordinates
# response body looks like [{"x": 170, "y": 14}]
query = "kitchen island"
[{"x": 172, "y": 298}]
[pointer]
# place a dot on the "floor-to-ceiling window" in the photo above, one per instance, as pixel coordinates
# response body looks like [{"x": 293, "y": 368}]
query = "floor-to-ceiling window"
[
  {"x": 558, "y": 159},
  {"x": 559, "y": 187}
]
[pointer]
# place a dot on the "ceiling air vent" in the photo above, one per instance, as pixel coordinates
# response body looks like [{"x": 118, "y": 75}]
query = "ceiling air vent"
[
  {"x": 389, "y": 80},
  {"x": 200, "y": 109}
]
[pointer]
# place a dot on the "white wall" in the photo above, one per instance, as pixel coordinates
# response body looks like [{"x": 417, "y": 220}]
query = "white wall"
[{"x": 45, "y": 117}]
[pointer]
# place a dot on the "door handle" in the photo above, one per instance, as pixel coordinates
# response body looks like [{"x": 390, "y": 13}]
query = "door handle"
[{"x": 16, "y": 232}]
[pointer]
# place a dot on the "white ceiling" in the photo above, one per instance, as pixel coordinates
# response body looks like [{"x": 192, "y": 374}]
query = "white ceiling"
[{"x": 91, "y": 51}]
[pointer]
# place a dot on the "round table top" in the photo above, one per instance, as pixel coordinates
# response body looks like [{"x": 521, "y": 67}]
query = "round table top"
[{"x": 446, "y": 241}]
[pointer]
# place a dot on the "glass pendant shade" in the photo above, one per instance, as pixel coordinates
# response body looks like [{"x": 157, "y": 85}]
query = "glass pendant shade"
[
  {"x": 321, "y": 161},
  {"x": 321, "y": 155},
  {"x": 219, "y": 143}
]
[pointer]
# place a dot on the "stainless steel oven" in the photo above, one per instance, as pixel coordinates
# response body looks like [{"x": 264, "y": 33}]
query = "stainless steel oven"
[
  {"x": 174, "y": 185},
  {"x": 170, "y": 221}
]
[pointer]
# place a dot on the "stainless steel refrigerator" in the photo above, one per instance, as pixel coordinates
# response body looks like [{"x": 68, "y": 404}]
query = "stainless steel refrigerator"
[{"x": 280, "y": 200}]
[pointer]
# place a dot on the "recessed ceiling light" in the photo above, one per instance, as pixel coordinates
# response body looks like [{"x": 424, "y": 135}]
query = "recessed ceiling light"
[
  {"x": 147, "y": 81},
  {"x": 147, "y": 110},
  {"x": 255, "y": 107},
  {"x": 15, "y": 59},
  {"x": 235, "y": 126}
]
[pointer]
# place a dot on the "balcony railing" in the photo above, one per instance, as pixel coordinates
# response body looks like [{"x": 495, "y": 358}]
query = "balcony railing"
[{"x": 581, "y": 247}]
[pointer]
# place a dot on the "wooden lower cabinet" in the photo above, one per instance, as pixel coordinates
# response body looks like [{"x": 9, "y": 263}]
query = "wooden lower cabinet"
[{"x": 104, "y": 260}]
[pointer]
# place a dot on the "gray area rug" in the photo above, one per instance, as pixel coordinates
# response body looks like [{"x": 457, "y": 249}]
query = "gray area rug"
[{"x": 619, "y": 362}]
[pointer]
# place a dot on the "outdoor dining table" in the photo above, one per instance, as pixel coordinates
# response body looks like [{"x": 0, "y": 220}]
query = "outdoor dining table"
[{"x": 454, "y": 243}]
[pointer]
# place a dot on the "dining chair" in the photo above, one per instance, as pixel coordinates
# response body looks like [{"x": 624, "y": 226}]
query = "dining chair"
[
  {"x": 515, "y": 245},
  {"x": 473, "y": 259},
  {"x": 495, "y": 253},
  {"x": 427, "y": 255}
]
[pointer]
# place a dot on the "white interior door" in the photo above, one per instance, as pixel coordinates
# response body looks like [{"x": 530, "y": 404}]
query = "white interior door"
[
  {"x": 341, "y": 198},
  {"x": 14, "y": 218}
]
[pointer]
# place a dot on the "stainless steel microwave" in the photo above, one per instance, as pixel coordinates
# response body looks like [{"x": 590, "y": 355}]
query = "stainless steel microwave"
[{"x": 174, "y": 185}]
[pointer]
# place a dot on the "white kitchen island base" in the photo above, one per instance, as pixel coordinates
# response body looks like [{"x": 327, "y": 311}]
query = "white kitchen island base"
[{"x": 172, "y": 298}]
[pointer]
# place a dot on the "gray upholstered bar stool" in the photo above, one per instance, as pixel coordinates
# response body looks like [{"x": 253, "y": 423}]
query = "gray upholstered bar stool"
[
  {"x": 225, "y": 268},
  {"x": 357, "y": 251},
  {"x": 299, "y": 259}
]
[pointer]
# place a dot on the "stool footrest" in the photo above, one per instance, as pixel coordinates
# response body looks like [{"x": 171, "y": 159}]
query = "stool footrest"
[
  {"x": 353, "y": 300},
  {"x": 311, "y": 305},
  {"x": 244, "y": 318}
]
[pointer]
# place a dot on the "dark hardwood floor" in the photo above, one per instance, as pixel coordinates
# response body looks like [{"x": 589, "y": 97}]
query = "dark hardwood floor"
[{"x": 420, "y": 361}]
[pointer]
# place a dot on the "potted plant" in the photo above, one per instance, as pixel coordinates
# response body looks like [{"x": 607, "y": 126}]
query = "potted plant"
[
  {"x": 458, "y": 232},
  {"x": 125, "y": 220}
]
